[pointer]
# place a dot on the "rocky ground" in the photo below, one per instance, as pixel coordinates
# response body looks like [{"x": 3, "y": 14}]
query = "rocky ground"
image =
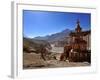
[{"x": 33, "y": 61}]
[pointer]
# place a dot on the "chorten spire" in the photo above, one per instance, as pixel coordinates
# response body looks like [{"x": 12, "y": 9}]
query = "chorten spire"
[{"x": 78, "y": 28}]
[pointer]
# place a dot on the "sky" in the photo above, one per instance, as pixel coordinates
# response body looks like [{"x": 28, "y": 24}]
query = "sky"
[{"x": 42, "y": 23}]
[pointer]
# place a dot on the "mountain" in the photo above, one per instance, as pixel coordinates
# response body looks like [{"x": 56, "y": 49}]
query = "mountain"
[
  {"x": 34, "y": 45},
  {"x": 42, "y": 37},
  {"x": 60, "y": 36},
  {"x": 57, "y": 39}
]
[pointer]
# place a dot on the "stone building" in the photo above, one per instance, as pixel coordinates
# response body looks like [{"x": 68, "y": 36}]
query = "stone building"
[
  {"x": 80, "y": 39},
  {"x": 79, "y": 47}
]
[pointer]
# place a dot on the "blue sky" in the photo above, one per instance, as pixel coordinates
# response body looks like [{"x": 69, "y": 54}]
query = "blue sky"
[{"x": 41, "y": 23}]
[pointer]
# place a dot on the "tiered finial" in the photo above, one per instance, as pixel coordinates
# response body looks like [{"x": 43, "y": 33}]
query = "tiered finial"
[{"x": 78, "y": 28}]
